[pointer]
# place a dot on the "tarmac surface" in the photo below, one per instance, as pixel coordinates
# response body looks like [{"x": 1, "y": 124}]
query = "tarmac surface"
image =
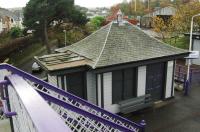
[{"x": 180, "y": 114}]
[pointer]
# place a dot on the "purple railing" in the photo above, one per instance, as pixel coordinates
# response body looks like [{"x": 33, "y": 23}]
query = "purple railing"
[
  {"x": 31, "y": 110},
  {"x": 181, "y": 76},
  {"x": 6, "y": 111},
  {"x": 124, "y": 124}
]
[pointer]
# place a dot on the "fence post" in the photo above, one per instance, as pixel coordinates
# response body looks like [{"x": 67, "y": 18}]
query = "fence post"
[
  {"x": 187, "y": 84},
  {"x": 143, "y": 124},
  {"x": 184, "y": 82},
  {"x": 191, "y": 76},
  {"x": 179, "y": 71}
]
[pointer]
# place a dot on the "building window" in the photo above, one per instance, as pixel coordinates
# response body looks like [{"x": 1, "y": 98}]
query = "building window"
[
  {"x": 73, "y": 83},
  {"x": 124, "y": 85},
  {"x": 76, "y": 84}
]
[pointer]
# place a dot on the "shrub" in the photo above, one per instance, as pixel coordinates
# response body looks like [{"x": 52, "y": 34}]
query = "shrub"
[
  {"x": 97, "y": 22},
  {"x": 16, "y": 32}
]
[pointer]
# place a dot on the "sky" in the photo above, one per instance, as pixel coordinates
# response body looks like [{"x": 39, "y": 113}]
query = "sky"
[{"x": 84, "y": 3}]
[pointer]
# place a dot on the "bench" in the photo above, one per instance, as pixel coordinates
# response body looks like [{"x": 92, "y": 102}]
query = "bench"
[{"x": 134, "y": 104}]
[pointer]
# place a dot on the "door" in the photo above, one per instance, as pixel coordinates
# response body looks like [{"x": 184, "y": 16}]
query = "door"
[{"x": 155, "y": 80}]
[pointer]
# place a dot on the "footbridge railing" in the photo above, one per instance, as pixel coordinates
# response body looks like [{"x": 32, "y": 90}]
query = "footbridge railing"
[
  {"x": 30, "y": 112},
  {"x": 181, "y": 77}
]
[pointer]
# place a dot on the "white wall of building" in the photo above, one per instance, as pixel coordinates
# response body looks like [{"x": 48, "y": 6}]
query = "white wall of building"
[
  {"x": 107, "y": 92},
  {"x": 91, "y": 87},
  {"x": 141, "y": 88},
  {"x": 169, "y": 79}
]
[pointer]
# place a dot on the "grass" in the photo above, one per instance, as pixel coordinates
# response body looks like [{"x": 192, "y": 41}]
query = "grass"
[
  {"x": 22, "y": 56},
  {"x": 5, "y": 38},
  {"x": 26, "y": 54},
  {"x": 180, "y": 42}
]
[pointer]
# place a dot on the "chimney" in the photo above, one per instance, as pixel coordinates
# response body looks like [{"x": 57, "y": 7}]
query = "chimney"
[{"x": 120, "y": 18}]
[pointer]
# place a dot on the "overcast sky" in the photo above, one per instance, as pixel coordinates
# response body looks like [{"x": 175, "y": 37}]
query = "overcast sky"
[{"x": 85, "y": 3}]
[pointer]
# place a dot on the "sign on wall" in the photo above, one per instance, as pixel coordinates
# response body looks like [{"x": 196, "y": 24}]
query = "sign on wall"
[{"x": 193, "y": 55}]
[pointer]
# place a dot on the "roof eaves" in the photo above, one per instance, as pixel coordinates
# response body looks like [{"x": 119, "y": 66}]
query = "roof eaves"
[
  {"x": 40, "y": 63},
  {"x": 48, "y": 67},
  {"x": 175, "y": 56},
  {"x": 95, "y": 64}
]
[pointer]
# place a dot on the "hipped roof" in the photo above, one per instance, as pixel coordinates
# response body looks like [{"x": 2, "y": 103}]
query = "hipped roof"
[{"x": 114, "y": 44}]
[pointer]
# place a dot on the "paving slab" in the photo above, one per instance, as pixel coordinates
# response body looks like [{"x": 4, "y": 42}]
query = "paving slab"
[{"x": 5, "y": 126}]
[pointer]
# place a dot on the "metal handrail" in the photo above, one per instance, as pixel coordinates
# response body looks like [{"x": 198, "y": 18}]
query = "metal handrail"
[
  {"x": 62, "y": 92},
  {"x": 6, "y": 111},
  {"x": 24, "y": 99},
  {"x": 82, "y": 112}
]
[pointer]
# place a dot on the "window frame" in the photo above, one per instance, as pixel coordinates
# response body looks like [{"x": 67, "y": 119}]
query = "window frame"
[{"x": 134, "y": 80}]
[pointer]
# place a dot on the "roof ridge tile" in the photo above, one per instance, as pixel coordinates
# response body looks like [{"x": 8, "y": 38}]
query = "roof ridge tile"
[{"x": 94, "y": 66}]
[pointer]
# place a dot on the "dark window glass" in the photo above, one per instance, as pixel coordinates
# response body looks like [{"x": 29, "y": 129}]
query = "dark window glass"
[
  {"x": 129, "y": 83},
  {"x": 75, "y": 84},
  {"x": 155, "y": 80},
  {"x": 117, "y": 79},
  {"x": 124, "y": 84}
]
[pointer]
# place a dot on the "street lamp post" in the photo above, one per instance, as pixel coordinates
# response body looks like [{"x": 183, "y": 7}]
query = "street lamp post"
[
  {"x": 190, "y": 49},
  {"x": 65, "y": 38}
]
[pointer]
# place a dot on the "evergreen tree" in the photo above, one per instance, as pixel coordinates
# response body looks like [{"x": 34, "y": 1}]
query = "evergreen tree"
[{"x": 40, "y": 14}]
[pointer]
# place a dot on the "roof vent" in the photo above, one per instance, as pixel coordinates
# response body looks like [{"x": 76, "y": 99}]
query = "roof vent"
[{"x": 120, "y": 18}]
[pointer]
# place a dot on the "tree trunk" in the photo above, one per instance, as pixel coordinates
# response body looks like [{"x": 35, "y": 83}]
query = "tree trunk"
[{"x": 46, "y": 39}]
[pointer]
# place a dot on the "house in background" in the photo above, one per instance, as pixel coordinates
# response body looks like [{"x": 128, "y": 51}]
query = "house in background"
[
  {"x": 9, "y": 20},
  {"x": 195, "y": 45},
  {"x": 19, "y": 13},
  {"x": 165, "y": 13},
  {"x": 93, "y": 12},
  {"x": 117, "y": 63}
]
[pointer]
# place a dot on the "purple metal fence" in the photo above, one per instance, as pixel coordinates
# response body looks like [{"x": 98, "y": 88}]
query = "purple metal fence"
[
  {"x": 181, "y": 73},
  {"x": 94, "y": 112},
  {"x": 32, "y": 112}
]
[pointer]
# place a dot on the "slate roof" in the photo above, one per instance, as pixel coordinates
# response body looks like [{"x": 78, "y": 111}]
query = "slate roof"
[
  {"x": 61, "y": 61},
  {"x": 115, "y": 44}
]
